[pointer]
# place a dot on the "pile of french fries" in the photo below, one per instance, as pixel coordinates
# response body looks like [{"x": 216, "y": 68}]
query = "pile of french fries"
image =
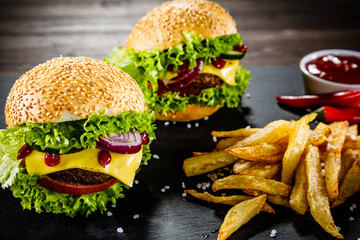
[{"x": 285, "y": 163}]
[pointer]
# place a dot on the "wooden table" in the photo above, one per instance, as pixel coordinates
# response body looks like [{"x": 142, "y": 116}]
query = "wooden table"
[{"x": 278, "y": 32}]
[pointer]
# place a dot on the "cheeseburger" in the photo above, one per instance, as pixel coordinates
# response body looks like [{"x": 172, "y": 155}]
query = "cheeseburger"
[
  {"x": 185, "y": 56},
  {"x": 78, "y": 130}
]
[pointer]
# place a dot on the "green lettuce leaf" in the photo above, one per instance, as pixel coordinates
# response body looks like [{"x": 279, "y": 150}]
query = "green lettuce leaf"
[
  {"x": 67, "y": 137},
  {"x": 32, "y": 195},
  {"x": 149, "y": 66}
]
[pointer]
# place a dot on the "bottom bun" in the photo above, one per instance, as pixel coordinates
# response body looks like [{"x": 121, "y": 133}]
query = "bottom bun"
[{"x": 191, "y": 113}]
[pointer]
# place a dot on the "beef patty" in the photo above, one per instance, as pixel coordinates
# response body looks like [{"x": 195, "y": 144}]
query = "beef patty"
[{"x": 79, "y": 176}]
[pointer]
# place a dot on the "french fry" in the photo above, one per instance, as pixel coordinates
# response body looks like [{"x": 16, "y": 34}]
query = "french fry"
[
  {"x": 240, "y": 214},
  {"x": 268, "y": 186},
  {"x": 242, "y": 132},
  {"x": 207, "y": 162},
  {"x": 297, "y": 142},
  {"x": 281, "y": 201},
  {"x": 298, "y": 197},
  {"x": 353, "y": 131},
  {"x": 263, "y": 152},
  {"x": 347, "y": 159},
  {"x": 317, "y": 196},
  {"x": 271, "y": 133},
  {"x": 227, "y": 200},
  {"x": 242, "y": 165},
  {"x": 333, "y": 157},
  {"x": 261, "y": 169},
  {"x": 320, "y": 133},
  {"x": 350, "y": 185},
  {"x": 227, "y": 142},
  {"x": 353, "y": 143}
]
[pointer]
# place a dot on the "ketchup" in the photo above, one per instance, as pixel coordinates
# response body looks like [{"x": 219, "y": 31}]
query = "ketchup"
[{"x": 336, "y": 68}]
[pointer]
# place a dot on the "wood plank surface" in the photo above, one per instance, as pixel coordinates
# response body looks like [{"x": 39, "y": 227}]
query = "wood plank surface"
[{"x": 278, "y": 32}]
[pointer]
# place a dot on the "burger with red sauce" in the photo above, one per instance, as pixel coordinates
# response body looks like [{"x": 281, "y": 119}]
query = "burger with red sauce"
[
  {"x": 78, "y": 131},
  {"x": 185, "y": 56}
]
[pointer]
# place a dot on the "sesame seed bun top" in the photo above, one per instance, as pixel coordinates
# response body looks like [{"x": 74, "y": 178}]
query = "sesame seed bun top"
[
  {"x": 71, "y": 88},
  {"x": 163, "y": 27}
]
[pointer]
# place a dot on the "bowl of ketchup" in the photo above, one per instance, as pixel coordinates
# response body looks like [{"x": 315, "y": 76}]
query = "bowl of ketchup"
[{"x": 331, "y": 70}]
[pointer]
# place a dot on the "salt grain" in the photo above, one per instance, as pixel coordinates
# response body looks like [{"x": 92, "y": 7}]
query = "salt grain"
[
  {"x": 183, "y": 185},
  {"x": 183, "y": 194},
  {"x": 188, "y": 125},
  {"x": 166, "y": 123},
  {"x": 206, "y": 118},
  {"x": 351, "y": 219},
  {"x": 155, "y": 156},
  {"x": 109, "y": 213},
  {"x": 167, "y": 187},
  {"x": 120, "y": 230},
  {"x": 196, "y": 124},
  {"x": 214, "y": 139},
  {"x": 163, "y": 190},
  {"x": 136, "y": 182},
  {"x": 338, "y": 228},
  {"x": 273, "y": 233},
  {"x": 113, "y": 206},
  {"x": 136, "y": 216},
  {"x": 248, "y": 127},
  {"x": 322, "y": 172},
  {"x": 248, "y": 95}
]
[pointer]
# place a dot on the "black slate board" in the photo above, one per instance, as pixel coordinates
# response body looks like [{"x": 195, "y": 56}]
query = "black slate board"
[{"x": 167, "y": 215}]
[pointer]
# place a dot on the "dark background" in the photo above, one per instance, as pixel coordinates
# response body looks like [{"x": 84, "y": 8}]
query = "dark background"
[{"x": 278, "y": 33}]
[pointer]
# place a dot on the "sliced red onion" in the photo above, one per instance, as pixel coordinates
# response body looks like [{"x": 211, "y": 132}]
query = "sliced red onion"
[
  {"x": 122, "y": 143},
  {"x": 186, "y": 77}
]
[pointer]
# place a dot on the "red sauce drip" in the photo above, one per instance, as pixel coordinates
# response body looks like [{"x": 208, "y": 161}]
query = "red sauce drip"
[
  {"x": 144, "y": 138},
  {"x": 52, "y": 159},
  {"x": 241, "y": 48},
  {"x": 219, "y": 63},
  {"x": 335, "y": 68},
  {"x": 104, "y": 158},
  {"x": 24, "y": 151}
]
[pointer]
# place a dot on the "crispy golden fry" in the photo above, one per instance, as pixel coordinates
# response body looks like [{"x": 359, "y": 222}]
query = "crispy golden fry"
[
  {"x": 353, "y": 131},
  {"x": 352, "y": 142},
  {"x": 333, "y": 157},
  {"x": 347, "y": 159},
  {"x": 271, "y": 133},
  {"x": 263, "y": 152},
  {"x": 350, "y": 185},
  {"x": 297, "y": 142},
  {"x": 281, "y": 201},
  {"x": 298, "y": 197},
  {"x": 252, "y": 192},
  {"x": 242, "y": 165},
  {"x": 317, "y": 196},
  {"x": 239, "y": 215},
  {"x": 268, "y": 186},
  {"x": 242, "y": 132},
  {"x": 227, "y": 200},
  {"x": 319, "y": 135},
  {"x": 227, "y": 142},
  {"x": 260, "y": 169},
  {"x": 199, "y": 153},
  {"x": 207, "y": 162}
]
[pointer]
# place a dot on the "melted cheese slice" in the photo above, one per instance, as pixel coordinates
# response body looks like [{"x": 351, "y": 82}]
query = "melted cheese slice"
[
  {"x": 227, "y": 73},
  {"x": 122, "y": 166}
]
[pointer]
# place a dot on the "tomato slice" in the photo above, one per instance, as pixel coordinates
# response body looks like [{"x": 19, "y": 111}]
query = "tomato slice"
[{"x": 78, "y": 189}]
